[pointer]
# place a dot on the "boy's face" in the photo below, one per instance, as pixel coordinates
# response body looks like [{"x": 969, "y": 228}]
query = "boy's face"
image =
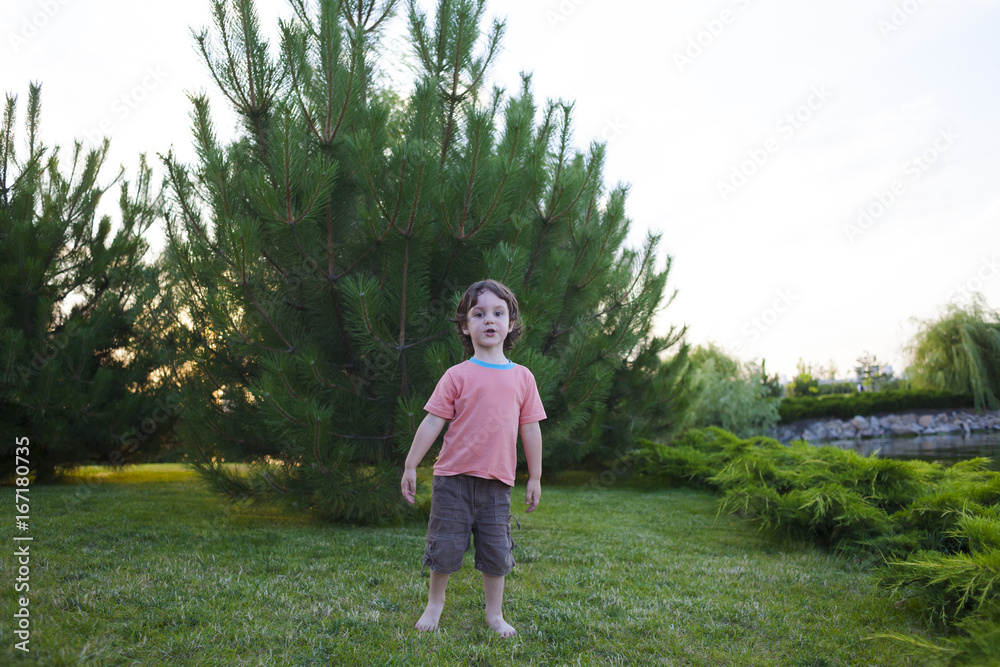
[{"x": 487, "y": 322}]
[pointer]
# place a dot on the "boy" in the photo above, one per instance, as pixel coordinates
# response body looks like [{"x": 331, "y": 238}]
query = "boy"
[{"x": 487, "y": 399}]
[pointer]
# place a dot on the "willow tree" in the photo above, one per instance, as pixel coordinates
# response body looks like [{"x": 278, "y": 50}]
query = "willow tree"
[
  {"x": 319, "y": 256},
  {"x": 959, "y": 352}
]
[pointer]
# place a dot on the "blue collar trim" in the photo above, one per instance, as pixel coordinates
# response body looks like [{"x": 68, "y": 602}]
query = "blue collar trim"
[{"x": 501, "y": 367}]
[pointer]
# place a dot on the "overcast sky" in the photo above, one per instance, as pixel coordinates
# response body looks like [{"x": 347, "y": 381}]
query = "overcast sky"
[{"x": 822, "y": 173}]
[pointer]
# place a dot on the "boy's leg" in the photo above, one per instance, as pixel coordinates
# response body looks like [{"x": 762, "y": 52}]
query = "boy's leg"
[
  {"x": 447, "y": 541},
  {"x": 435, "y": 603},
  {"x": 493, "y": 589}
]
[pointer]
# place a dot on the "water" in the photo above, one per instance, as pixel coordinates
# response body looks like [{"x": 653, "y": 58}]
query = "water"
[{"x": 947, "y": 449}]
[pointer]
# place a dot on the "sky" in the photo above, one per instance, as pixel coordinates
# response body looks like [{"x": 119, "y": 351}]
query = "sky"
[{"x": 823, "y": 175}]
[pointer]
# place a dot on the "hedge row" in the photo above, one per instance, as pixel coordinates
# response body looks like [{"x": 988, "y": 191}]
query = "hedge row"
[{"x": 846, "y": 406}]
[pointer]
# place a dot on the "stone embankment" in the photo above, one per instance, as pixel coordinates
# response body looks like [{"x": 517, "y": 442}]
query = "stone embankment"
[{"x": 892, "y": 425}]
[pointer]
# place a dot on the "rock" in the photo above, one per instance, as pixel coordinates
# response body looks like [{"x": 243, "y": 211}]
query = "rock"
[
  {"x": 926, "y": 420},
  {"x": 859, "y": 422}
]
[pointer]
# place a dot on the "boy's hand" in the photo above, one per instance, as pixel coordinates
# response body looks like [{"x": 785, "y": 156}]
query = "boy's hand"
[
  {"x": 408, "y": 485},
  {"x": 533, "y": 495}
]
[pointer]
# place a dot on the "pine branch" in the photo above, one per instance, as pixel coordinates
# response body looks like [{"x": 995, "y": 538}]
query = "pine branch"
[
  {"x": 319, "y": 459},
  {"x": 267, "y": 318},
  {"x": 365, "y": 316},
  {"x": 391, "y": 219},
  {"x": 288, "y": 387},
  {"x": 274, "y": 485},
  {"x": 405, "y": 382},
  {"x": 284, "y": 414},
  {"x": 570, "y": 408},
  {"x": 466, "y": 204},
  {"x": 332, "y": 385},
  {"x": 363, "y": 19}
]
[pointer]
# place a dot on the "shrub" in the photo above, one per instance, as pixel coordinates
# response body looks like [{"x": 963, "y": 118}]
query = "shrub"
[
  {"x": 934, "y": 529},
  {"x": 945, "y": 588},
  {"x": 846, "y": 406},
  {"x": 731, "y": 394}
]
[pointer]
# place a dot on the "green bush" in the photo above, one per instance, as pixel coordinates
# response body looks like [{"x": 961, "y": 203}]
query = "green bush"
[
  {"x": 934, "y": 530},
  {"x": 946, "y": 587},
  {"x": 837, "y": 388},
  {"x": 846, "y": 406},
  {"x": 731, "y": 394}
]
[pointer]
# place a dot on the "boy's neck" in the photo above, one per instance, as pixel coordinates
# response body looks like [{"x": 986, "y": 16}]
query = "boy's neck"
[{"x": 491, "y": 357}]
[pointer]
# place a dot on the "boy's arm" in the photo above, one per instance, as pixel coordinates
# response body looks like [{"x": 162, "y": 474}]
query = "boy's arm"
[
  {"x": 531, "y": 438},
  {"x": 425, "y": 436}
]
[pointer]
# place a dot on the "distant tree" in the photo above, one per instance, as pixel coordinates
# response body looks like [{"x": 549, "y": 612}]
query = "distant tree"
[
  {"x": 728, "y": 393},
  {"x": 959, "y": 352},
  {"x": 872, "y": 374},
  {"x": 803, "y": 384},
  {"x": 770, "y": 385},
  {"x": 316, "y": 260},
  {"x": 78, "y": 328}
]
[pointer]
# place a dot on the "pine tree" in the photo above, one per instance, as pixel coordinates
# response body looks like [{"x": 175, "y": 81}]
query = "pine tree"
[
  {"x": 319, "y": 257},
  {"x": 650, "y": 398},
  {"x": 76, "y": 322}
]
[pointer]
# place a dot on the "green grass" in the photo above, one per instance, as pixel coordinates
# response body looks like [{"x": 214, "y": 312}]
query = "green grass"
[{"x": 150, "y": 567}]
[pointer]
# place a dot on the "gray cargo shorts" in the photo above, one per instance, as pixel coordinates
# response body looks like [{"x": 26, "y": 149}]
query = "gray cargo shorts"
[{"x": 462, "y": 505}]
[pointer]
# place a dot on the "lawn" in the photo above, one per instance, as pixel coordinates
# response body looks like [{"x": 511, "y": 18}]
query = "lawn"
[{"x": 150, "y": 567}]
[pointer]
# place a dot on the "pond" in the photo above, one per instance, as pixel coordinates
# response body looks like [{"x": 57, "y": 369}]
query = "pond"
[{"x": 947, "y": 449}]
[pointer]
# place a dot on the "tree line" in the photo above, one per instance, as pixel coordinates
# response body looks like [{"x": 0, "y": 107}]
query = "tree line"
[{"x": 299, "y": 315}]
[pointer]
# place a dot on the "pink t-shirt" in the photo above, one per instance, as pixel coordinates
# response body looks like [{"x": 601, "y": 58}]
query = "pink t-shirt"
[{"x": 485, "y": 404}]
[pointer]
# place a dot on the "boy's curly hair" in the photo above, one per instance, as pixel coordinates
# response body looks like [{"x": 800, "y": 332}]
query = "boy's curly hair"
[{"x": 468, "y": 301}]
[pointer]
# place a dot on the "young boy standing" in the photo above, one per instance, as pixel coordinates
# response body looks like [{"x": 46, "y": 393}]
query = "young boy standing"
[{"x": 487, "y": 400}]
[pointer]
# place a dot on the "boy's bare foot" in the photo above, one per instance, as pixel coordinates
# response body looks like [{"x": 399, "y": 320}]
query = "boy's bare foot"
[
  {"x": 429, "y": 621},
  {"x": 501, "y": 627}
]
